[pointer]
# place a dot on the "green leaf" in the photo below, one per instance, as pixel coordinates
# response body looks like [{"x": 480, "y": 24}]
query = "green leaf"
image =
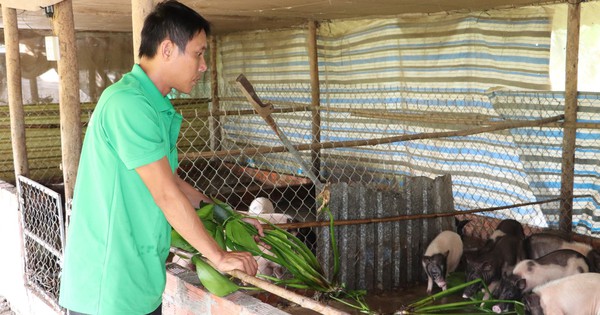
[
  {"x": 223, "y": 212},
  {"x": 239, "y": 235},
  {"x": 220, "y": 238},
  {"x": 178, "y": 241},
  {"x": 205, "y": 212},
  {"x": 214, "y": 281}
]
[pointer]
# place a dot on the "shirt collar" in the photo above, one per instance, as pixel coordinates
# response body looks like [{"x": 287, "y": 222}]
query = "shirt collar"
[{"x": 151, "y": 89}]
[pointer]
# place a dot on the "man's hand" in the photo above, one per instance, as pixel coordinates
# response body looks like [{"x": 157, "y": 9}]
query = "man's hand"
[
  {"x": 256, "y": 224},
  {"x": 237, "y": 260}
]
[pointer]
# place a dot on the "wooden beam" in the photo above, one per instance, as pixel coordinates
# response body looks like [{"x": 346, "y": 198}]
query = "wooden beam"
[
  {"x": 15, "y": 93},
  {"x": 315, "y": 95},
  {"x": 215, "y": 120},
  {"x": 29, "y": 5},
  {"x": 569, "y": 132},
  {"x": 70, "y": 106}
]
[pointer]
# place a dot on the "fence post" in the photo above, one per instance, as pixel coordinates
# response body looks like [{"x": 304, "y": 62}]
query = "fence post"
[
  {"x": 215, "y": 119},
  {"x": 315, "y": 96},
  {"x": 70, "y": 107},
  {"x": 569, "y": 132},
  {"x": 139, "y": 10},
  {"x": 15, "y": 95}
]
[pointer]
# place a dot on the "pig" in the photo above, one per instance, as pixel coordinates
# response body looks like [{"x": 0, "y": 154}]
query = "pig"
[
  {"x": 508, "y": 227},
  {"x": 505, "y": 227},
  {"x": 529, "y": 274},
  {"x": 442, "y": 257},
  {"x": 573, "y": 295},
  {"x": 490, "y": 264},
  {"x": 540, "y": 244}
]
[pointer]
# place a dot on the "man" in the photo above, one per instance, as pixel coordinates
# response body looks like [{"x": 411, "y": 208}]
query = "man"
[{"x": 127, "y": 192}]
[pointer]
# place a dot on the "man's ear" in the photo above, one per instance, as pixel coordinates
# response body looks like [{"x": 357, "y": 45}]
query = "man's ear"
[{"x": 166, "y": 49}]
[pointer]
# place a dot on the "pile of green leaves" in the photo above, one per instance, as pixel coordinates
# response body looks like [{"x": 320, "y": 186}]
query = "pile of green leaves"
[
  {"x": 230, "y": 231},
  {"x": 475, "y": 306}
]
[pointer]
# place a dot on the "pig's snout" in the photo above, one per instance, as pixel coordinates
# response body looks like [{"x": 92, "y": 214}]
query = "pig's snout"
[
  {"x": 469, "y": 291},
  {"x": 497, "y": 309},
  {"x": 442, "y": 284}
]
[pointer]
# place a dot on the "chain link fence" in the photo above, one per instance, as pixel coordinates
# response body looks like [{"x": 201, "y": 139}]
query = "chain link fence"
[{"x": 43, "y": 225}]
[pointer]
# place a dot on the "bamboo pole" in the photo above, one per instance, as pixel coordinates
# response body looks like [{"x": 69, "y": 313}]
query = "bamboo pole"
[
  {"x": 15, "y": 96},
  {"x": 376, "y": 141},
  {"x": 313, "y": 61},
  {"x": 569, "y": 133},
  {"x": 215, "y": 109},
  {"x": 139, "y": 10},
  {"x": 301, "y": 300},
  {"x": 70, "y": 107}
]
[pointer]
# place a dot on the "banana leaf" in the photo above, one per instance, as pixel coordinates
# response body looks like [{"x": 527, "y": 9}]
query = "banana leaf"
[{"x": 214, "y": 281}]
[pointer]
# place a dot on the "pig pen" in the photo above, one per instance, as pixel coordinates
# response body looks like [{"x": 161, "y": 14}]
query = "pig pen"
[
  {"x": 383, "y": 258},
  {"x": 381, "y": 231}
]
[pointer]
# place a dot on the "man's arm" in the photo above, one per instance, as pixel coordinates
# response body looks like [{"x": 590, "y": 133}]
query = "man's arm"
[
  {"x": 193, "y": 195},
  {"x": 176, "y": 207}
]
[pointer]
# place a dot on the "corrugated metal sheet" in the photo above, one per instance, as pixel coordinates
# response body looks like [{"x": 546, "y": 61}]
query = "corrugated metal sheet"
[{"x": 385, "y": 255}]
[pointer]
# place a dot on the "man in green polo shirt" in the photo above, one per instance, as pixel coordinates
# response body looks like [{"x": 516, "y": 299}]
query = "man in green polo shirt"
[{"x": 127, "y": 195}]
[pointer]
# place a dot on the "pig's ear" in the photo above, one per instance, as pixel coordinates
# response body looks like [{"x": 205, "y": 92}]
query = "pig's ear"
[{"x": 521, "y": 284}]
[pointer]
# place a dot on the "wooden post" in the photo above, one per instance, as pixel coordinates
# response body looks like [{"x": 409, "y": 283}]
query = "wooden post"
[
  {"x": 70, "y": 106},
  {"x": 569, "y": 137},
  {"x": 92, "y": 82},
  {"x": 315, "y": 95},
  {"x": 139, "y": 10},
  {"x": 34, "y": 90},
  {"x": 15, "y": 92},
  {"x": 215, "y": 118}
]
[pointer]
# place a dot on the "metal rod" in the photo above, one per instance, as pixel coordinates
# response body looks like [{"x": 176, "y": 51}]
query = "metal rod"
[
  {"x": 375, "y": 141},
  {"x": 406, "y": 217}
]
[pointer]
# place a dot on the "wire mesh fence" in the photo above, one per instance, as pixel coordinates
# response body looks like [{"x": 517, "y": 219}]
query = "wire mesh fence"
[
  {"x": 512, "y": 165},
  {"x": 43, "y": 225}
]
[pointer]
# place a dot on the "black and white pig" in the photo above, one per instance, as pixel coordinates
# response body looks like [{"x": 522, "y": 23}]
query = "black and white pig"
[
  {"x": 529, "y": 274},
  {"x": 540, "y": 244},
  {"x": 573, "y": 295},
  {"x": 508, "y": 227},
  {"x": 505, "y": 227},
  {"x": 489, "y": 265},
  {"x": 442, "y": 257}
]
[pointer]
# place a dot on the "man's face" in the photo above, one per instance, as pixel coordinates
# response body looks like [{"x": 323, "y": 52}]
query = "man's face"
[{"x": 189, "y": 64}]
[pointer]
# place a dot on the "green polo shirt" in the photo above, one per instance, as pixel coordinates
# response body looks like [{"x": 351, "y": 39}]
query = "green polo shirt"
[{"x": 118, "y": 238}]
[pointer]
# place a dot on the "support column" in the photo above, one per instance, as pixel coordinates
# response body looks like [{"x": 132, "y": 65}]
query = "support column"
[
  {"x": 15, "y": 92},
  {"x": 139, "y": 10},
  {"x": 569, "y": 129},
  {"x": 70, "y": 106},
  {"x": 315, "y": 96},
  {"x": 34, "y": 90},
  {"x": 215, "y": 116}
]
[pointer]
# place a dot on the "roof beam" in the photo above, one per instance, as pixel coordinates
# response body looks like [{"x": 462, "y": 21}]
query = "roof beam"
[{"x": 29, "y": 5}]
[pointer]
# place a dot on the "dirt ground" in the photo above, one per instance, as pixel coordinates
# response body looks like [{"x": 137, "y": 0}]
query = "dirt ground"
[{"x": 383, "y": 303}]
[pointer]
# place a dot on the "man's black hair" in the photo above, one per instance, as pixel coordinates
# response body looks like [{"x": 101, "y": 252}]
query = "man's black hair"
[{"x": 170, "y": 19}]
